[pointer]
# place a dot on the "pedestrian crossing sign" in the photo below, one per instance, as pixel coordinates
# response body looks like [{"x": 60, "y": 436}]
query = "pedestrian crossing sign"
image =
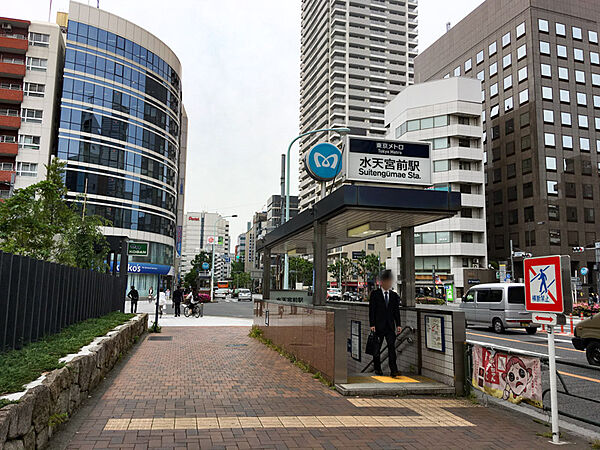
[{"x": 544, "y": 286}]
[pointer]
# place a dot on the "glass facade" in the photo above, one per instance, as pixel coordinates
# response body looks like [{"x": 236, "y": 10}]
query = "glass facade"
[{"x": 120, "y": 131}]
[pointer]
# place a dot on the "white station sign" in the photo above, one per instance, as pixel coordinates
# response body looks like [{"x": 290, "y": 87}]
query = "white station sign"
[{"x": 388, "y": 161}]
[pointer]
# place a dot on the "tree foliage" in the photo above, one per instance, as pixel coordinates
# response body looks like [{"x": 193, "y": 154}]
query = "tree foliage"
[
  {"x": 191, "y": 278},
  {"x": 37, "y": 222},
  {"x": 301, "y": 271},
  {"x": 345, "y": 267}
]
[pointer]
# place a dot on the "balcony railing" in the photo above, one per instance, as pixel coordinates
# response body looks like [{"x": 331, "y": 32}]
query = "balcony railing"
[
  {"x": 13, "y": 43},
  {"x": 9, "y": 112}
]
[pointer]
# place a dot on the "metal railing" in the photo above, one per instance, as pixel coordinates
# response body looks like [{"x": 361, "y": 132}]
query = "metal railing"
[
  {"x": 9, "y": 112},
  {"x": 13, "y": 36},
  {"x": 40, "y": 298},
  {"x": 11, "y": 86},
  {"x": 8, "y": 139},
  {"x": 545, "y": 364},
  {"x": 406, "y": 335}
]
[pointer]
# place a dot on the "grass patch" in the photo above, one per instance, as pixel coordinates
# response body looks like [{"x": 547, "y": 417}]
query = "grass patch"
[
  {"x": 257, "y": 333},
  {"x": 22, "y": 366},
  {"x": 595, "y": 443},
  {"x": 4, "y": 402},
  {"x": 548, "y": 435}
]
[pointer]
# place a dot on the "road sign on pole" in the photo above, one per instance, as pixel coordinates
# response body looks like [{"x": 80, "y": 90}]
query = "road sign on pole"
[{"x": 546, "y": 292}]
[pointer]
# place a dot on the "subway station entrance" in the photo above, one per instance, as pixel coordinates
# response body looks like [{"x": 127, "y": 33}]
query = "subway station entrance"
[{"x": 330, "y": 336}]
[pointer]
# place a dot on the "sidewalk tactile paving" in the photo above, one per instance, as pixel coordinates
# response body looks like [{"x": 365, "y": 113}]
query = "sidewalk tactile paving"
[{"x": 194, "y": 392}]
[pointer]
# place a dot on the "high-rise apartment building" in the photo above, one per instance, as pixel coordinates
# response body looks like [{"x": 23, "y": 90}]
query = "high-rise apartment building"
[
  {"x": 121, "y": 129},
  {"x": 198, "y": 229},
  {"x": 355, "y": 57},
  {"x": 539, "y": 65},
  {"x": 446, "y": 113},
  {"x": 276, "y": 210},
  {"x": 252, "y": 259},
  {"x": 31, "y": 62}
]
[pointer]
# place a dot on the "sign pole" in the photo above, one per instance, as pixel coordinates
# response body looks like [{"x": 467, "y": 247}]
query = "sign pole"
[{"x": 553, "y": 393}]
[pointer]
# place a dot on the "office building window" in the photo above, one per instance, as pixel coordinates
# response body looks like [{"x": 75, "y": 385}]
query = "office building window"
[
  {"x": 494, "y": 90},
  {"x": 565, "y": 119},
  {"x": 578, "y": 54},
  {"x": 508, "y": 82},
  {"x": 497, "y": 197},
  {"x": 468, "y": 65},
  {"x": 524, "y": 119},
  {"x": 596, "y": 101},
  {"x": 588, "y": 215},
  {"x": 506, "y": 61},
  {"x": 543, "y": 26},
  {"x": 31, "y": 115},
  {"x": 561, "y": 51},
  {"x": 525, "y": 142},
  {"x": 572, "y": 238},
  {"x": 553, "y": 212},
  {"x": 563, "y": 74},
  {"x": 513, "y": 217},
  {"x": 481, "y": 75},
  {"x": 479, "y": 57},
  {"x": 509, "y": 127},
  {"x": 593, "y": 36},
  {"x": 584, "y": 144},
  {"x": 457, "y": 71},
  {"x": 508, "y": 104},
  {"x": 494, "y": 111},
  {"x": 526, "y": 166},
  {"x": 441, "y": 166},
  {"x": 548, "y": 116},
  {"x": 549, "y": 140},
  {"x": 511, "y": 171},
  {"x": 544, "y": 48},
  {"x": 511, "y": 193},
  {"x": 506, "y": 39},
  {"x": 39, "y": 39},
  {"x": 567, "y": 141},
  {"x": 521, "y": 52},
  {"x": 527, "y": 190},
  {"x": 546, "y": 93},
  {"x": 528, "y": 214},
  {"x": 551, "y": 187},
  {"x": 571, "y": 190},
  {"x": 522, "y": 74},
  {"x": 596, "y": 79},
  {"x": 492, "y": 49},
  {"x": 551, "y": 163},
  {"x": 597, "y": 123},
  {"x": 577, "y": 33},
  {"x": 586, "y": 167},
  {"x": 26, "y": 169},
  {"x": 523, "y": 96},
  {"x": 580, "y": 76},
  {"x": 565, "y": 96},
  {"x": 594, "y": 58},
  {"x": 582, "y": 121},
  {"x": 530, "y": 238},
  {"x": 581, "y": 99},
  {"x": 493, "y": 69},
  {"x": 561, "y": 30},
  {"x": 520, "y": 30},
  {"x": 34, "y": 89},
  {"x": 588, "y": 191},
  {"x": 546, "y": 70}
]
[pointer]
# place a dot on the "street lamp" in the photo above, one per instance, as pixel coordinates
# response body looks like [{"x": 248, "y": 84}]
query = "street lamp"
[
  {"x": 212, "y": 266},
  {"x": 341, "y": 131}
]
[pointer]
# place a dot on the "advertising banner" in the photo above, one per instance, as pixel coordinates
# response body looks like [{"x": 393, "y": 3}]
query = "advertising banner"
[
  {"x": 387, "y": 161},
  {"x": 510, "y": 377},
  {"x": 178, "y": 240}
]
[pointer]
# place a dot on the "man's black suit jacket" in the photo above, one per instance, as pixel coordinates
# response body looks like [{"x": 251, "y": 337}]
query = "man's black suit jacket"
[{"x": 384, "y": 319}]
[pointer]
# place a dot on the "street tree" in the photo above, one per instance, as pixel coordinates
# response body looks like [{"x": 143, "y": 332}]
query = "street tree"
[
  {"x": 301, "y": 270},
  {"x": 343, "y": 267},
  {"x": 191, "y": 278}
]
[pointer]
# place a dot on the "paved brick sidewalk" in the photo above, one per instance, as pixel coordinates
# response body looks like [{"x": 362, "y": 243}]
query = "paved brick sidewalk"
[{"x": 217, "y": 388}]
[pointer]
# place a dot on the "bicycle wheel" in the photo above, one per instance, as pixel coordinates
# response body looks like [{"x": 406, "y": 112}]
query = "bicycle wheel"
[
  {"x": 186, "y": 311},
  {"x": 197, "y": 312}
]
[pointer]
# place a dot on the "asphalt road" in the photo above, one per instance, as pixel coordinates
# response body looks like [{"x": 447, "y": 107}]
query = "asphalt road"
[
  {"x": 579, "y": 381},
  {"x": 229, "y": 308}
]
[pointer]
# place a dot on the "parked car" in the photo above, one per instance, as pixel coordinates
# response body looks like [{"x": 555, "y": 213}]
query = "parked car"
[
  {"x": 351, "y": 296},
  {"x": 334, "y": 294},
  {"x": 499, "y": 305},
  {"x": 587, "y": 337},
  {"x": 221, "y": 293},
  {"x": 244, "y": 295}
]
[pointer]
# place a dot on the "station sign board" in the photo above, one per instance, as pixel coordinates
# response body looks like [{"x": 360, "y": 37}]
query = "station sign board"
[
  {"x": 388, "y": 161},
  {"x": 547, "y": 287}
]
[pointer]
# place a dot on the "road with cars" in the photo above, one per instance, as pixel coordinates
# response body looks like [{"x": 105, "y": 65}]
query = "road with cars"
[{"x": 581, "y": 381}]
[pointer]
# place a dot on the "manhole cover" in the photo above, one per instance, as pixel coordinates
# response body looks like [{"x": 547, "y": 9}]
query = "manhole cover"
[
  {"x": 236, "y": 345},
  {"x": 160, "y": 338}
]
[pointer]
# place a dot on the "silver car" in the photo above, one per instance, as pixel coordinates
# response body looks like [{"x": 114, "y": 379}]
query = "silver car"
[
  {"x": 244, "y": 295},
  {"x": 499, "y": 305}
]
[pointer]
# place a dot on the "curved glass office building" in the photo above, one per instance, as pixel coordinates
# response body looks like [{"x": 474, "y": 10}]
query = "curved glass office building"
[{"x": 120, "y": 133}]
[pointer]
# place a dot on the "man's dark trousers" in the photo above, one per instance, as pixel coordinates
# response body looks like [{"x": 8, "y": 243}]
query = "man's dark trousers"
[
  {"x": 133, "y": 307},
  {"x": 385, "y": 317},
  {"x": 177, "y": 309},
  {"x": 390, "y": 338}
]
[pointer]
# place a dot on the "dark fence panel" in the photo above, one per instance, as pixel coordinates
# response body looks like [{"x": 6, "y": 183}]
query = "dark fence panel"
[{"x": 38, "y": 298}]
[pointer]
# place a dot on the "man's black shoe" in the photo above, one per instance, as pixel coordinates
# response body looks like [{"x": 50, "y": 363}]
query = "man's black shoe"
[
  {"x": 395, "y": 374},
  {"x": 379, "y": 373}
]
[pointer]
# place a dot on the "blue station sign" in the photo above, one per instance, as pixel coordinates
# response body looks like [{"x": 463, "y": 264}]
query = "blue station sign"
[{"x": 323, "y": 162}]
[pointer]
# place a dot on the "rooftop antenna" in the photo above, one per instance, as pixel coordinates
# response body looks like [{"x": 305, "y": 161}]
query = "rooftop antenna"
[
  {"x": 49, "y": 10},
  {"x": 448, "y": 25}
]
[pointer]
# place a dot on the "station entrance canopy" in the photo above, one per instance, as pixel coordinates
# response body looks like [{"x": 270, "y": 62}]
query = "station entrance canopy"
[{"x": 353, "y": 213}]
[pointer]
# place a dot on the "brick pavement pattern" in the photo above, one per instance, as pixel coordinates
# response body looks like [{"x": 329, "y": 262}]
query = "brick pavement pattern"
[{"x": 216, "y": 388}]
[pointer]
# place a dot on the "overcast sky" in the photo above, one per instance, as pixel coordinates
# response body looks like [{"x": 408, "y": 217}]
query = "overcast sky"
[{"x": 241, "y": 63}]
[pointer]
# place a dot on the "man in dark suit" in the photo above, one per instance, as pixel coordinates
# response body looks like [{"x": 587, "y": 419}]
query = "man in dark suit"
[
  {"x": 384, "y": 319},
  {"x": 177, "y": 299}
]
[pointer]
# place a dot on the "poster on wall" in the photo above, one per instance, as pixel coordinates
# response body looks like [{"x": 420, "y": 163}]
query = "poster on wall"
[
  {"x": 509, "y": 377},
  {"x": 434, "y": 333},
  {"x": 355, "y": 339}
]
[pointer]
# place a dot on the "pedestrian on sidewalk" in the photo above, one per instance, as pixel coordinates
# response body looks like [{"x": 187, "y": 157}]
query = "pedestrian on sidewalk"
[
  {"x": 150, "y": 294},
  {"x": 134, "y": 296},
  {"x": 177, "y": 299},
  {"x": 384, "y": 320},
  {"x": 162, "y": 301}
]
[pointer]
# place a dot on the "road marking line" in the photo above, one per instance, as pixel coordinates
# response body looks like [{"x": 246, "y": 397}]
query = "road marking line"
[
  {"x": 578, "y": 376},
  {"x": 527, "y": 343}
]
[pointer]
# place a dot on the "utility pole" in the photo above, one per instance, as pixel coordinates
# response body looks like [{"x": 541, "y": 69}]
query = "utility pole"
[{"x": 512, "y": 262}]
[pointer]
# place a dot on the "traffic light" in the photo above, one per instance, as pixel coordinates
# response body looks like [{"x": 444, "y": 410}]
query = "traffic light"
[{"x": 578, "y": 249}]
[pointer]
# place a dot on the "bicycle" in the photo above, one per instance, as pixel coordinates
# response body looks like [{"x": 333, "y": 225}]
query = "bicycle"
[{"x": 194, "y": 309}]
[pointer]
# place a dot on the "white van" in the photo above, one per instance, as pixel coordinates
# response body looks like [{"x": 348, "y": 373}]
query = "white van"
[{"x": 499, "y": 305}]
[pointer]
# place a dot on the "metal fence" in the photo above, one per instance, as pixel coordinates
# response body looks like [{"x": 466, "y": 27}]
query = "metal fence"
[{"x": 38, "y": 298}]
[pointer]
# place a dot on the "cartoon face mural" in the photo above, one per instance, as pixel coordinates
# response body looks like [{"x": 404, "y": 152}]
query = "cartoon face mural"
[{"x": 517, "y": 377}]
